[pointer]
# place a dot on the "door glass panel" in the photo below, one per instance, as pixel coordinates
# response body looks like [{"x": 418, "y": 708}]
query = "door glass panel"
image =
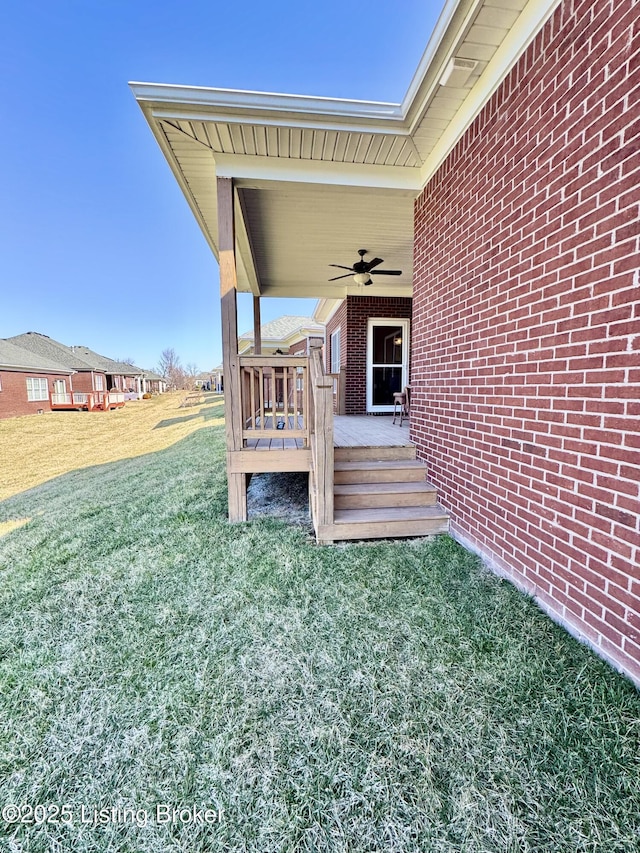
[
  {"x": 387, "y": 345},
  {"x": 386, "y": 381}
]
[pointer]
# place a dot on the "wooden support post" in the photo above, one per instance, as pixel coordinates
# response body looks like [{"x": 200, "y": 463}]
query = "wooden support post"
[
  {"x": 257, "y": 335},
  {"x": 237, "y": 483}
]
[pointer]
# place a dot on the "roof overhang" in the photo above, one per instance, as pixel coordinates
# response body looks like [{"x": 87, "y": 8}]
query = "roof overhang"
[{"x": 316, "y": 179}]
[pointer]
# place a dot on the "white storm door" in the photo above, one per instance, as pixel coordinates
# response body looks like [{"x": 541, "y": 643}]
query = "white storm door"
[{"x": 387, "y": 362}]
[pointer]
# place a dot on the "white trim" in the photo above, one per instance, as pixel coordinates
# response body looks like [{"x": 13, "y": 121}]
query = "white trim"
[
  {"x": 255, "y": 167},
  {"x": 336, "y": 332},
  {"x": 35, "y": 387},
  {"x": 386, "y": 321},
  {"x": 243, "y": 99},
  {"x": 425, "y": 66}
]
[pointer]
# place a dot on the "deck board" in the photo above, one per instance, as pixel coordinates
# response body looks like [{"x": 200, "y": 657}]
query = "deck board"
[
  {"x": 370, "y": 431},
  {"x": 348, "y": 431}
]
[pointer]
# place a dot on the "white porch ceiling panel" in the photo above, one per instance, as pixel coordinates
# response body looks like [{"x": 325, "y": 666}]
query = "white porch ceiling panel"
[{"x": 298, "y": 230}]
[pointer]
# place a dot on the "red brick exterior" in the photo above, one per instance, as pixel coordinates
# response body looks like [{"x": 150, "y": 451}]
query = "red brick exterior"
[
  {"x": 526, "y": 327},
  {"x": 84, "y": 381},
  {"x": 351, "y": 317},
  {"x": 299, "y": 348},
  {"x": 13, "y": 396}
]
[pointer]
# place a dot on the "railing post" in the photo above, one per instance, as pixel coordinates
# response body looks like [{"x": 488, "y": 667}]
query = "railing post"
[{"x": 322, "y": 454}]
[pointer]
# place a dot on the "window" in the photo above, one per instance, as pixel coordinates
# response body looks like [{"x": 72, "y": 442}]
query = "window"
[
  {"x": 335, "y": 352},
  {"x": 37, "y": 389},
  {"x": 98, "y": 382}
]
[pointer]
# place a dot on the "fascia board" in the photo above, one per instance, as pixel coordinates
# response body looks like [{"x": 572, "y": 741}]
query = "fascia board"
[
  {"x": 231, "y": 100},
  {"x": 325, "y": 309},
  {"x": 425, "y": 66},
  {"x": 16, "y": 368}
]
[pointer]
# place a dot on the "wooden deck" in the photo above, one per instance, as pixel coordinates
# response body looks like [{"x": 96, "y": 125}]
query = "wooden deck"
[
  {"x": 348, "y": 431},
  {"x": 370, "y": 431},
  {"x": 277, "y": 443}
]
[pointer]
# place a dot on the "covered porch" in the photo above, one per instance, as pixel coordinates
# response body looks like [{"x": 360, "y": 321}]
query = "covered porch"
[{"x": 332, "y": 182}]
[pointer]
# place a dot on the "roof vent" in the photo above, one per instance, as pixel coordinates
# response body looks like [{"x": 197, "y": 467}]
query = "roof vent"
[{"x": 457, "y": 72}]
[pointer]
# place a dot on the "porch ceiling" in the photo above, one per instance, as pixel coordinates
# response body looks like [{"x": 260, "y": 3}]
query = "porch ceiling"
[{"x": 317, "y": 178}]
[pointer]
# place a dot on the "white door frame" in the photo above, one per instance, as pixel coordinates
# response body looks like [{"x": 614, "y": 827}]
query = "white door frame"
[{"x": 386, "y": 321}]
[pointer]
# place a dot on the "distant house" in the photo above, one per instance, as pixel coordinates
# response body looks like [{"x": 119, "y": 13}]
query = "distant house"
[
  {"x": 87, "y": 377},
  {"x": 153, "y": 383},
  {"x": 120, "y": 375},
  {"x": 27, "y": 381},
  {"x": 287, "y": 335}
]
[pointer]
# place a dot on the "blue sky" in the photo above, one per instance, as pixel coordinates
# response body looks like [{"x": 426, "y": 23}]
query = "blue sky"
[{"x": 97, "y": 245}]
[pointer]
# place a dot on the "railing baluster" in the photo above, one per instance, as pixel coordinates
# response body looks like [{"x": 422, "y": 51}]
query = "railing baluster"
[
  {"x": 285, "y": 396},
  {"x": 253, "y": 400},
  {"x": 261, "y": 372}
]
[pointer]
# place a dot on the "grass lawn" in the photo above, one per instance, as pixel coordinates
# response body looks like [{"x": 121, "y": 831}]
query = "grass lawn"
[{"x": 385, "y": 697}]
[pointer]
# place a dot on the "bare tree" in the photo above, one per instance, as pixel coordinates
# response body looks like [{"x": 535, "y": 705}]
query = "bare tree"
[
  {"x": 191, "y": 371},
  {"x": 171, "y": 368}
]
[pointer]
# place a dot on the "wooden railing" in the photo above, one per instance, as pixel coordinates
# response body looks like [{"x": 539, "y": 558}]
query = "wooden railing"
[
  {"x": 92, "y": 400},
  {"x": 339, "y": 389},
  {"x": 322, "y": 462},
  {"x": 275, "y": 397}
]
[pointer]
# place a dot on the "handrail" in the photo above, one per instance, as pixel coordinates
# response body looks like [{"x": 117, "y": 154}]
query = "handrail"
[{"x": 322, "y": 456}]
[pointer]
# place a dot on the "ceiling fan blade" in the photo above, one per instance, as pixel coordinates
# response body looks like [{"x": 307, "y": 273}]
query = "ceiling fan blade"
[
  {"x": 340, "y": 267},
  {"x": 386, "y": 272},
  {"x": 373, "y": 263},
  {"x": 348, "y": 275}
]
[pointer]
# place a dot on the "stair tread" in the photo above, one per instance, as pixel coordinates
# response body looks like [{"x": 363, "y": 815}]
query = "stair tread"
[
  {"x": 383, "y": 488},
  {"x": 384, "y": 464},
  {"x": 387, "y": 514}
]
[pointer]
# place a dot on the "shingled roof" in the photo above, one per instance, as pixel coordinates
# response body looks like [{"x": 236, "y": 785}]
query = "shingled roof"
[
  {"x": 47, "y": 348},
  {"x": 281, "y": 327},
  {"x": 108, "y": 365},
  {"x": 13, "y": 357}
]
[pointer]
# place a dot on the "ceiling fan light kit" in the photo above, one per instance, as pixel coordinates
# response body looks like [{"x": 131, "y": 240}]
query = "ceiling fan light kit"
[{"x": 363, "y": 270}]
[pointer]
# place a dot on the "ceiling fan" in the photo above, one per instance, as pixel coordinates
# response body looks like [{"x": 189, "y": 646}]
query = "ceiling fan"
[{"x": 363, "y": 270}]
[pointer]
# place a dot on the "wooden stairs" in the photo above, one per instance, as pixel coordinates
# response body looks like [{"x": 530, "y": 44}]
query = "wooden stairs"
[{"x": 383, "y": 493}]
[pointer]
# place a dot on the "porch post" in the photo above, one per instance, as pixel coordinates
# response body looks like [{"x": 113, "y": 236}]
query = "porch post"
[
  {"x": 237, "y": 483},
  {"x": 257, "y": 339}
]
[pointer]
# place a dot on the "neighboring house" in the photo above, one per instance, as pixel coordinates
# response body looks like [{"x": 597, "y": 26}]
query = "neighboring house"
[
  {"x": 505, "y": 187},
  {"x": 153, "y": 383},
  {"x": 217, "y": 379},
  {"x": 87, "y": 377},
  {"x": 27, "y": 381},
  {"x": 204, "y": 379},
  {"x": 120, "y": 375},
  {"x": 287, "y": 335}
]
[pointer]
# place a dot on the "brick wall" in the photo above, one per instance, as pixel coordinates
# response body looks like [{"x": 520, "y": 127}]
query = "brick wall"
[
  {"x": 299, "y": 348},
  {"x": 352, "y": 317},
  {"x": 13, "y": 396},
  {"x": 526, "y": 327},
  {"x": 84, "y": 381}
]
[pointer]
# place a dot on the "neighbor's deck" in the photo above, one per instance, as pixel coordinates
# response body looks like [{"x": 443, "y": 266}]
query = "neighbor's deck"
[{"x": 348, "y": 431}]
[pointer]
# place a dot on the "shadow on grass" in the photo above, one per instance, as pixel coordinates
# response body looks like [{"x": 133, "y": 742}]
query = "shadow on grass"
[
  {"x": 208, "y": 412},
  {"x": 196, "y": 461}
]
